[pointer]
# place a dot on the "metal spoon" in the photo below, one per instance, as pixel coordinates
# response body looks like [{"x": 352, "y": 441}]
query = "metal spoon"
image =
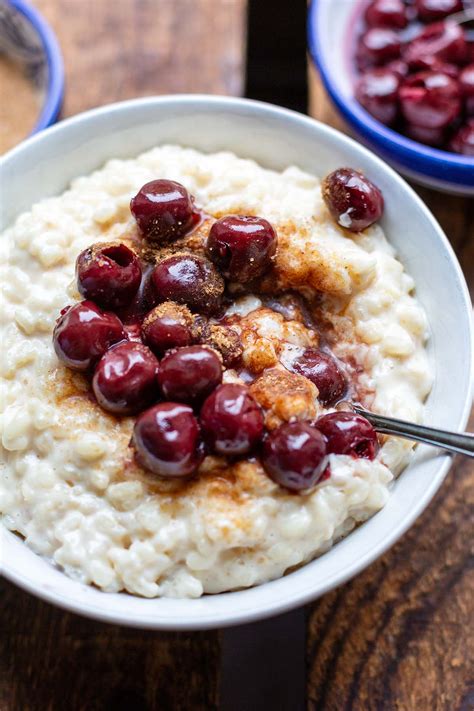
[{"x": 461, "y": 443}]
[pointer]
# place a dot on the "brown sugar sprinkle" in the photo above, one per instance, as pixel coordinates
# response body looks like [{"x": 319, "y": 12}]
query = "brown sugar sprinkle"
[
  {"x": 284, "y": 395},
  {"x": 226, "y": 341},
  {"x": 19, "y": 106},
  {"x": 172, "y": 310},
  {"x": 192, "y": 243}
]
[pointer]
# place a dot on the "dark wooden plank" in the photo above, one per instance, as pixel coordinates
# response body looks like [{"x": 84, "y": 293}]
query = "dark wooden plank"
[
  {"x": 399, "y": 635},
  {"x": 263, "y": 665},
  {"x": 49, "y": 659}
]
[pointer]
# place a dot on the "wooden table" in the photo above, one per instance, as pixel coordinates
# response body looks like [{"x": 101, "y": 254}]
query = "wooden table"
[{"x": 396, "y": 637}]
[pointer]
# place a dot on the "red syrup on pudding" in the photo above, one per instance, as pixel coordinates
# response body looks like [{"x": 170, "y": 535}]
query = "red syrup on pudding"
[
  {"x": 161, "y": 349},
  {"x": 388, "y": 82},
  {"x": 143, "y": 301}
]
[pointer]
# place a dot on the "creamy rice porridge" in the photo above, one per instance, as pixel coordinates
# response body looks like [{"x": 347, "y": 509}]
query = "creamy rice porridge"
[{"x": 70, "y": 482}]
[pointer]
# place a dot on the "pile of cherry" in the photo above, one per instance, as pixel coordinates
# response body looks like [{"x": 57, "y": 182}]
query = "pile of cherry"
[
  {"x": 416, "y": 59},
  {"x": 135, "y": 335}
]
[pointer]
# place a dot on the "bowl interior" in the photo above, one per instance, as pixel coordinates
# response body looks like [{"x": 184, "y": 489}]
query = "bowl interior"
[{"x": 45, "y": 164}]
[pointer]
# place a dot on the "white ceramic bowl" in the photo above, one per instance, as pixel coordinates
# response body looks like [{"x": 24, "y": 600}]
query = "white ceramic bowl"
[{"x": 45, "y": 164}]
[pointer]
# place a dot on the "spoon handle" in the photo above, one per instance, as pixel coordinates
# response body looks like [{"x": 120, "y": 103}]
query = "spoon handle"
[{"x": 460, "y": 443}]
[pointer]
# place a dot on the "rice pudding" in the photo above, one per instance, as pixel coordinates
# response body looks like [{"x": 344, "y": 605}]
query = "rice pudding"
[{"x": 77, "y": 480}]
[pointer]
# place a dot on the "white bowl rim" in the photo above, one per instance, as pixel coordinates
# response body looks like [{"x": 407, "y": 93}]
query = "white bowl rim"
[{"x": 276, "y": 602}]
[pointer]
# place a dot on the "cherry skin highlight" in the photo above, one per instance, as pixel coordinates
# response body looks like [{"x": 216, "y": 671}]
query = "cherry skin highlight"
[
  {"x": 377, "y": 92},
  {"x": 348, "y": 433},
  {"x": 429, "y": 10},
  {"x": 108, "y": 274},
  {"x": 125, "y": 379},
  {"x": 441, "y": 41},
  {"x": 163, "y": 210},
  {"x": 168, "y": 325},
  {"x": 353, "y": 200},
  {"x": 294, "y": 455},
  {"x": 167, "y": 441},
  {"x": 231, "y": 420},
  {"x": 386, "y": 13},
  {"x": 143, "y": 301},
  {"x": 398, "y": 67},
  {"x": 83, "y": 333},
  {"x": 379, "y": 45},
  {"x": 430, "y": 99},
  {"x": 324, "y": 371},
  {"x": 189, "y": 374},
  {"x": 191, "y": 280},
  {"x": 242, "y": 247}
]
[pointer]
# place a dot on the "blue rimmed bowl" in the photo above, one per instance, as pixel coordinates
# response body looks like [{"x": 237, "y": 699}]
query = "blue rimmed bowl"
[
  {"x": 330, "y": 33},
  {"x": 27, "y": 39}
]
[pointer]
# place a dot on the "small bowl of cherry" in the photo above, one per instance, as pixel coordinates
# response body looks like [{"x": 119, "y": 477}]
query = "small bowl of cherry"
[{"x": 401, "y": 74}]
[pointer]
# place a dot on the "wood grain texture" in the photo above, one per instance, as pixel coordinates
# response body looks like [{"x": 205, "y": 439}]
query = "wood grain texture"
[
  {"x": 120, "y": 49},
  {"x": 51, "y": 660},
  {"x": 399, "y": 636}
]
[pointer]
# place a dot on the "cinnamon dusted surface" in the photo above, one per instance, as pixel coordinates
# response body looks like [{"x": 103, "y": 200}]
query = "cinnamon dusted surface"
[{"x": 87, "y": 505}]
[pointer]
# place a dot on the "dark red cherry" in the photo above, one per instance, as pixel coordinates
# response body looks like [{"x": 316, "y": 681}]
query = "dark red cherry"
[
  {"x": 470, "y": 51},
  {"x": 166, "y": 440},
  {"x": 83, "y": 333},
  {"x": 231, "y": 420},
  {"x": 434, "y": 64},
  {"x": 377, "y": 91},
  {"x": 353, "y": 201},
  {"x": 294, "y": 455},
  {"x": 441, "y": 41},
  {"x": 143, "y": 301},
  {"x": 190, "y": 374},
  {"x": 379, "y": 45},
  {"x": 430, "y": 136},
  {"x": 191, "y": 280},
  {"x": 242, "y": 247},
  {"x": 466, "y": 80},
  {"x": 386, "y": 13},
  {"x": 348, "y": 433},
  {"x": 163, "y": 210},
  {"x": 398, "y": 67},
  {"x": 429, "y": 10},
  {"x": 463, "y": 140},
  {"x": 450, "y": 69},
  {"x": 134, "y": 332},
  {"x": 168, "y": 325},
  {"x": 430, "y": 99},
  {"x": 109, "y": 274},
  {"x": 125, "y": 380},
  {"x": 324, "y": 371}
]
